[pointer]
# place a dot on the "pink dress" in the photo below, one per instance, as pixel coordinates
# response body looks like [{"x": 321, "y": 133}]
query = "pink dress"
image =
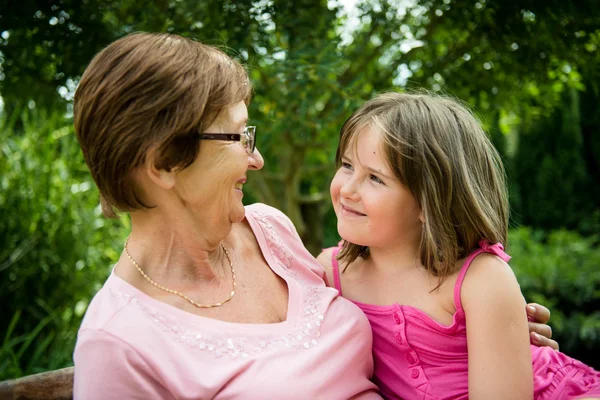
[
  {"x": 131, "y": 346},
  {"x": 418, "y": 358}
]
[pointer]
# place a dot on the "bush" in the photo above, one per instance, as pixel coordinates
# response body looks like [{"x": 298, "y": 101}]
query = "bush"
[
  {"x": 56, "y": 248},
  {"x": 555, "y": 167},
  {"x": 561, "y": 270}
]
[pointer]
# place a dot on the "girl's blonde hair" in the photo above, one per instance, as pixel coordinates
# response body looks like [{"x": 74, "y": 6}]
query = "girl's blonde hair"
[{"x": 438, "y": 150}]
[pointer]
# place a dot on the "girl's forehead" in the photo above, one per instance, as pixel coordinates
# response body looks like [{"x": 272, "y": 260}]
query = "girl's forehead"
[
  {"x": 367, "y": 148},
  {"x": 364, "y": 141}
]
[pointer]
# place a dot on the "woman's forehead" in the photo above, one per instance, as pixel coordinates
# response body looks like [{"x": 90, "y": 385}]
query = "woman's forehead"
[{"x": 234, "y": 116}]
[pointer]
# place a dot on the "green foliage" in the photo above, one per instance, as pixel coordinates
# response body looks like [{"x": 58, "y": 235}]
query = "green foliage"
[
  {"x": 514, "y": 61},
  {"x": 511, "y": 54},
  {"x": 561, "y": 271},
  {"x": 56, "y": 247},
  {"x": 310, "y": 69},
  {"x": 553, "y": 170}
]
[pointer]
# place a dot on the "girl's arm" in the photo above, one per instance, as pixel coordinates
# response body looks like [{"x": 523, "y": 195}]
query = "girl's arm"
[{"x": 500, "y": 364}]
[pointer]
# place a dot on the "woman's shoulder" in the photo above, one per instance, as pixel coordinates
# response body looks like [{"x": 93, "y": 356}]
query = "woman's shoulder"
[
  {"x": 261, "y": 209},
  {"x": 271, "y": 216},
  {"x": 112, "y": 310}
]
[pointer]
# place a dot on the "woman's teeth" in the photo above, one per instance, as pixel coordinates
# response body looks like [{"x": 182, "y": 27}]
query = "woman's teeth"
[{"x": 239, "y": 185}]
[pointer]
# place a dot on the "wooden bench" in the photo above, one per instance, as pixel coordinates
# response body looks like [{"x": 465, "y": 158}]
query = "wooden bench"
[{"x": 52, "y": 385}]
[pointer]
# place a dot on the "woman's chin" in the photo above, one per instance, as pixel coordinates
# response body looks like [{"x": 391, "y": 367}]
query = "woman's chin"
[{"x": 238, "y": 215}]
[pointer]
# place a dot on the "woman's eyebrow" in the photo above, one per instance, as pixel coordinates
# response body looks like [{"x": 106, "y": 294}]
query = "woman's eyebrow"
[{"x": 242, "y": 123}]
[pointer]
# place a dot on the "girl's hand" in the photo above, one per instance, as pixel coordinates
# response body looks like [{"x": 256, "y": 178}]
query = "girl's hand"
[{"x": 540, "y": 333}]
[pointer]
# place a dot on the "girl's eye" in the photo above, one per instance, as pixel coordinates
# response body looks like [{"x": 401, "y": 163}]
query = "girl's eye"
[
  {"x": 346, "y": 165},
  {"x": 376, "y": 179}
]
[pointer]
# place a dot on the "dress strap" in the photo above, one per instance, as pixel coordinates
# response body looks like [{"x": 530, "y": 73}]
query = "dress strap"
[
  {"x": 484, "y": 247},
  {"x": 336, "y": 269}
]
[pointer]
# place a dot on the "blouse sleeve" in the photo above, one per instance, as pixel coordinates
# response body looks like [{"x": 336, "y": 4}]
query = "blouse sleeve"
[
  {"x": 303, "y": 254},
  {"x": 106, "y": 367},
  {"x": 290, "y": 236}
]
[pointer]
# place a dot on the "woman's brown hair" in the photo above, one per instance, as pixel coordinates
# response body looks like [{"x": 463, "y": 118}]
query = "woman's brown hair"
[
  {"x": 438, "y": 150},
  {"x": 150, "y": 92}
]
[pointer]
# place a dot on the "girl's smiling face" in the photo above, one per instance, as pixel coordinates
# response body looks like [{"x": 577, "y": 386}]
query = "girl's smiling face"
[{"x": 373, "y": 208}]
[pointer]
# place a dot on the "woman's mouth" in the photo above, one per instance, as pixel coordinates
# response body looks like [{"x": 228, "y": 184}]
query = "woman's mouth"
[{"x": 239, "y": 185}]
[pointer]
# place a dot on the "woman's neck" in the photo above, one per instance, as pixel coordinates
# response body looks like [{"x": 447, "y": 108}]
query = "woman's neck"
[{"x": 176, "y": 249}]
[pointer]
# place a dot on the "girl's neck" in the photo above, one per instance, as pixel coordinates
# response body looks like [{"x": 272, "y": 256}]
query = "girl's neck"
[{"x": 394, "y": 258}]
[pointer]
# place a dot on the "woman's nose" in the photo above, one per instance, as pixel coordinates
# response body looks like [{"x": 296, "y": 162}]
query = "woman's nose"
[{"x": 255, "y": 160}]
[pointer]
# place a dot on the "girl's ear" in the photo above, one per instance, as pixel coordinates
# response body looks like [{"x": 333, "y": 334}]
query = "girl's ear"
[{"x": 161, "y": 177}]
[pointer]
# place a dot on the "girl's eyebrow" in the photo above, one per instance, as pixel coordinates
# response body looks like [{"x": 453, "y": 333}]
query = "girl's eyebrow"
[
  {"x": 370, "y": 169},
  {"x": 379, "y": 172}
]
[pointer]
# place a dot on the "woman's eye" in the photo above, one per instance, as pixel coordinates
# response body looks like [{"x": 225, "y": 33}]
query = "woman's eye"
[{"x": 376, "y": 179}]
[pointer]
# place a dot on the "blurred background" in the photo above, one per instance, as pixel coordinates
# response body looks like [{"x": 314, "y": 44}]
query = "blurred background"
[{"x": 529, "y": 68}]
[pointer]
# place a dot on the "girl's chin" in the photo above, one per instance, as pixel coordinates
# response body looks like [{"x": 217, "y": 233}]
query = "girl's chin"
[{"x": 352, "y": 237}]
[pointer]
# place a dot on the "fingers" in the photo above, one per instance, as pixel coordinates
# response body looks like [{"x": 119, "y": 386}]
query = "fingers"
[
  {"x": 540, "y": 334},
  {"x": 540, "y": 329},
  {"x": 540, "y": 340},
  {"x": 538, "y": 313}
]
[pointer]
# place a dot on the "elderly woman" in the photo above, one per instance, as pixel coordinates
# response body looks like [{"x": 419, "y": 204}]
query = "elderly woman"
[{"x": 209, "y": 299}]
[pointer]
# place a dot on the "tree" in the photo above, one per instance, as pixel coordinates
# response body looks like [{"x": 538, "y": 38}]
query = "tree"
[
  {"x": 550, "y": 169},
  {"x": 311, "y": 66},
  {"x": 307, "y": 78}
]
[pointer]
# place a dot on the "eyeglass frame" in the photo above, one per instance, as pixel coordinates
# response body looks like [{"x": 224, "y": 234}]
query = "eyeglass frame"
[{"x": 249, "y": 134}]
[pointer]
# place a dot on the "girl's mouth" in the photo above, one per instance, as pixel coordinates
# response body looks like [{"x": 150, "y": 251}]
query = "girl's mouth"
[{"x": 352, "y": 212}]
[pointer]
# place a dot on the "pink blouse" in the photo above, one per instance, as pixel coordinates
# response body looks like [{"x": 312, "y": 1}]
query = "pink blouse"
[{"x": 131, "y": 346}]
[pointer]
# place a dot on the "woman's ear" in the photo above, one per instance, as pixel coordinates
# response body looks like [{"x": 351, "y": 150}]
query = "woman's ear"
[{"x": 160, "y": 177}]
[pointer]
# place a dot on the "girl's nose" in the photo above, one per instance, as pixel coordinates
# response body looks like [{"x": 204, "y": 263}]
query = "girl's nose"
[{"x": 349, "y": 190}]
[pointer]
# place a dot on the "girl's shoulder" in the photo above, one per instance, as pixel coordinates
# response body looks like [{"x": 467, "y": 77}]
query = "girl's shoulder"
[
  {"x": 326, "y": 259},
  {"x": 486, "y": 267},
  {"x": 490, "y": 280}
]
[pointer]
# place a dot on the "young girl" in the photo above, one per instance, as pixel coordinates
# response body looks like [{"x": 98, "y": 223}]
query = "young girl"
[{"x": 422, "y": 209}]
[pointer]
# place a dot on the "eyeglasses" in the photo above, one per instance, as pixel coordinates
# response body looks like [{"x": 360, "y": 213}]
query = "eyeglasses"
[{"x": 247, "y": 138}]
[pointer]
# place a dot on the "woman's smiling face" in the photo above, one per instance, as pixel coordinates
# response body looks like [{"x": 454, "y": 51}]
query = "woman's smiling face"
[
  {"x": 373, "y": 208},
  {"x": 213, "y": 184}
]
